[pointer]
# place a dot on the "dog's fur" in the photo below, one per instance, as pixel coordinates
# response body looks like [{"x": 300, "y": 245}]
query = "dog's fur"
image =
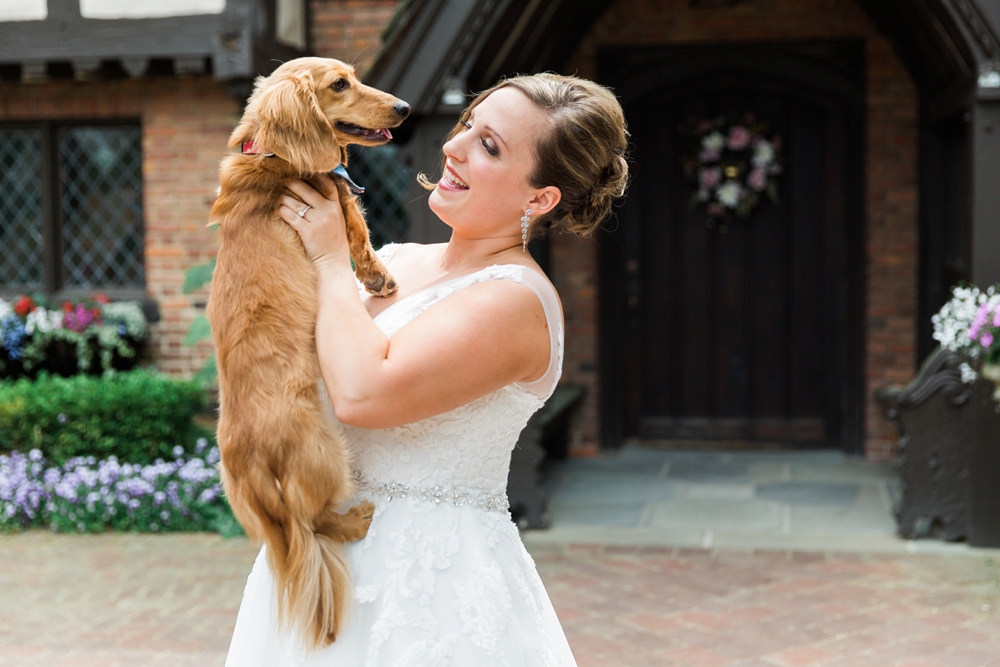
[{"x": 284, "y": 463}]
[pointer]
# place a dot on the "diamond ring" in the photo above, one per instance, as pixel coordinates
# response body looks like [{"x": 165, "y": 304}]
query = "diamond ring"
[{"x": 302, "y": 213}]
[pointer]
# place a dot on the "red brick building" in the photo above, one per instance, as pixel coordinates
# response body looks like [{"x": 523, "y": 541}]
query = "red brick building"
[{"x": 677, "y": 330}]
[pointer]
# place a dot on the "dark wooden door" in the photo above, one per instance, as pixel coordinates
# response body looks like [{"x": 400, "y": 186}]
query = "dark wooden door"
[{"x": 742, "y": 335}]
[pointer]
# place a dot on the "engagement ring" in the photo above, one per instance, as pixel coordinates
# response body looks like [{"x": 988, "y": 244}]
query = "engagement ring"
[{"x": 302, "y": 213}]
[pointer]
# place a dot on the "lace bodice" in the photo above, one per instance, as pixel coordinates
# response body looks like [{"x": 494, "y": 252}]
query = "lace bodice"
[{"x": 468, "y": 447}]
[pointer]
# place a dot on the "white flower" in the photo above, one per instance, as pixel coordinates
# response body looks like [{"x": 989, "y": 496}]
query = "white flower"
[
  {"x": 126, "y": 314},
  {"x": 714, "y": 142},
  {"x": 5, "y": 309},
  {"x": 952, "y": 322},
  {"x": 728, "y": 194},
  {"x": 763, "y": 153},
  {"x": 969, "y": 375},
  {"x": 42, "y": 320}
]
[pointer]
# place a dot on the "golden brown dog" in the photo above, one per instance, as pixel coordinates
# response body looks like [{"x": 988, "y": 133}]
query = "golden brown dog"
[{"x": 285, "y": 466}]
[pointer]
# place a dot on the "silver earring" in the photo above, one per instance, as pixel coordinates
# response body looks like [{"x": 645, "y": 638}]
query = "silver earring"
[{"x": 524, "y": 230}]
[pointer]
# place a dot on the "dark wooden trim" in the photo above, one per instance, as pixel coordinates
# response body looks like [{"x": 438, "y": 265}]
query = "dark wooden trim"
[
  {"x": 985, "y": 193},
  {"x": 239, "y": 43}
]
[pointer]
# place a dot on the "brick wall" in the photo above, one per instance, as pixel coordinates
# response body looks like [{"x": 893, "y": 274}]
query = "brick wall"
[
  {"x": 891, "y": 182},
  {"x": 185, "y": 126},
  {"x": 349, "y": 30}
]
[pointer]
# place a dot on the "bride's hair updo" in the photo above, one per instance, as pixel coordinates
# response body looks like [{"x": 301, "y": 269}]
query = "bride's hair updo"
[{"x": 583, "y": 154}]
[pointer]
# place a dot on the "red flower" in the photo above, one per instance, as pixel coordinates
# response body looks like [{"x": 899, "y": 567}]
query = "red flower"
[
  {"x": 100, "y": 298},
  {"x": 24, "y": 305},
  {"x": 67, "y": 307}
]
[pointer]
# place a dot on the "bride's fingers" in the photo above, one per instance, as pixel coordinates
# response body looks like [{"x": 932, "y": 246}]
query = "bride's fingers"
[
  {"x": 307, "y": 193},
  {"x": 291, "y": 216},
  {"x": 293, "y": 204}
]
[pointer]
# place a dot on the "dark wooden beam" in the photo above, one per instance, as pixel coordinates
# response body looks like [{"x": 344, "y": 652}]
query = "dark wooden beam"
[
  {"x": 240, "y": 41},
  {"x": 985, "y": 193}
]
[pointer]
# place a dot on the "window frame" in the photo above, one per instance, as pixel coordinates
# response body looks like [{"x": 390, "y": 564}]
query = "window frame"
[{"x": 53, "y": 246}]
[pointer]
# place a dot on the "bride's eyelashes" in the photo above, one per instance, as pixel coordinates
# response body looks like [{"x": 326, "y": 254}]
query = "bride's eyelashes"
[{"x": 492, "y": 150}]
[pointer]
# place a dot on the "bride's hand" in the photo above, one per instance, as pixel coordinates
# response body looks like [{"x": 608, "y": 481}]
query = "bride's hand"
[{"x": 322, "y": 227}]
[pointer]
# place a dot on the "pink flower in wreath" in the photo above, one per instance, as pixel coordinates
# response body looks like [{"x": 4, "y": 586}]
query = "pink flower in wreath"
[
  {"x": 757, "y": 179},
  {"x": 986, "y": 339},
  {"x": 739, "y": 138},
  {"x": 710, "y": 177}
]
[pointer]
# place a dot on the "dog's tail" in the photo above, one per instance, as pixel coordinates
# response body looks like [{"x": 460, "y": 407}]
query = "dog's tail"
[
  {"x": 310, "y": 568},
  {"x": 314, "y": 594}
]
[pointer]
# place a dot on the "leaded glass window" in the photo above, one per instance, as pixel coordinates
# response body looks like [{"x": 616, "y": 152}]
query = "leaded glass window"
[
  {"x": 386, "y": 181},
  {"x": 21, "y": 209},
  {"x": 71, "y": 217},
  {"x": 101, "y": 179}
]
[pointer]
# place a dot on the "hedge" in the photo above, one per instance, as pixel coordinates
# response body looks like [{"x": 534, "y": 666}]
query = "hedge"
[{"x": 138, "y": 416}]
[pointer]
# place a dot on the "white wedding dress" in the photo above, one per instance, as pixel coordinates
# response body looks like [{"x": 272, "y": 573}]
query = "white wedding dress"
[{"x": 442, "y": 578}]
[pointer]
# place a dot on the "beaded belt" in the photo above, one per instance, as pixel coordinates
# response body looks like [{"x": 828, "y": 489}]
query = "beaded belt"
[{"x": 494, "y": 502}]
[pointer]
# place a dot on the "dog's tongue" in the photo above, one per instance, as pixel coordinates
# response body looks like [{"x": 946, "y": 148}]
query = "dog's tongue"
[{"x": 386, "y": 133}]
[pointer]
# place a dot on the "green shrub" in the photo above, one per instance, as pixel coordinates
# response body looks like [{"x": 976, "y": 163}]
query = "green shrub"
[{"x": 137, "y": 416}]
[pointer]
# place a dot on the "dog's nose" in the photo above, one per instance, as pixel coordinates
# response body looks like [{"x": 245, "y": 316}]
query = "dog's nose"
[{"x": 403, "y": 109}]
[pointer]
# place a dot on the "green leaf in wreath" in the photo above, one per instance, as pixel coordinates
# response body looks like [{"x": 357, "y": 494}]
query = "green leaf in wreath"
[{"x": 772, "y": 192}]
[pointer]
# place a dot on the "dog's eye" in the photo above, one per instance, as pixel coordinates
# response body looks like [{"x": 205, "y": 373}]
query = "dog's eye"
[{"x": 339, "y": 85}]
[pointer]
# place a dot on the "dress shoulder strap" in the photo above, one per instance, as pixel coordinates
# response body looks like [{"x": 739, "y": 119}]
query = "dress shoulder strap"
[
  {"x": 396, "y": 316},
  {"x": 546, "y": 293}
]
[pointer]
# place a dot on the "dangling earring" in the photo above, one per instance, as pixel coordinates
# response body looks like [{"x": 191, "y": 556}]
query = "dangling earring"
[{"x": 524, "y": 230}]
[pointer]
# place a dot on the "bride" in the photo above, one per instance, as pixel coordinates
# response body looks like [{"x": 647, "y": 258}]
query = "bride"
[{"x": 434, "y": 384}]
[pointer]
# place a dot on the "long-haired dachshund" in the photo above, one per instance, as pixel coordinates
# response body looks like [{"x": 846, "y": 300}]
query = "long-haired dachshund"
[{"x": 285, "y": 466}]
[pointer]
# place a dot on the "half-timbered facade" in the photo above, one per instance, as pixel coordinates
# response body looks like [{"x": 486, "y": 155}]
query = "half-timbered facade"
[{"x": 774, "y": 328}]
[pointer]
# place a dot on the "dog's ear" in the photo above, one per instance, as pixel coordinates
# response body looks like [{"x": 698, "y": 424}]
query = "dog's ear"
[{"x": 288, "y": 122}]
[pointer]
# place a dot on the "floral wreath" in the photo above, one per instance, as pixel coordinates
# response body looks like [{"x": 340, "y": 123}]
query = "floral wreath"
[{"x": 732, "y": 162}]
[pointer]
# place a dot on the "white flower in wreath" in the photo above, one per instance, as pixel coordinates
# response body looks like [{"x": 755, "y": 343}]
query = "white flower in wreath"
[
  {"x": 763, "y": 153},
  {"x": 713, "y": 142},
  {"x": 729, "y": 193}
]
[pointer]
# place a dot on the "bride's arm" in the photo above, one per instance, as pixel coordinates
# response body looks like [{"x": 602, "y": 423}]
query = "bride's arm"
[{"x": 478, "y": 340}]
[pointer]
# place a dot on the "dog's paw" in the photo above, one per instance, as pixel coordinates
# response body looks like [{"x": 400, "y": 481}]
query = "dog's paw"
[
  {"x": 381, "y": 286},
  {"x": 359, "y": 519}
]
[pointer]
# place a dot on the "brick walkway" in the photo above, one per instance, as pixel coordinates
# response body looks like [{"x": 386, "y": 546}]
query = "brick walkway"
[{"x": 130, "y": 600}]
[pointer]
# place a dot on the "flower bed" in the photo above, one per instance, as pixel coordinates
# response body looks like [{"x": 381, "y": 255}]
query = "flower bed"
[
  {"x": 89, "y": 336},
  {"x": 87, "y": 495}
]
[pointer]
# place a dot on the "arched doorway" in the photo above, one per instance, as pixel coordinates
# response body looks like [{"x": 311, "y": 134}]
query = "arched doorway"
[{"x": 747, "y": 332}]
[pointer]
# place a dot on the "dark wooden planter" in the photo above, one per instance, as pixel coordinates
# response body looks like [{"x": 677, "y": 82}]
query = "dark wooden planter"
[
  {"x": 544, "y": 435},
  {"x": 949, "y": 454},
  {"x": 60, "y": 359}
]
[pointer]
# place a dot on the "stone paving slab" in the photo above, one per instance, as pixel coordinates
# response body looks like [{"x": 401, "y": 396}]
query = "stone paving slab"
[
  {"x": 785, "y": 499},
  {"x": 171, "y": 600}
]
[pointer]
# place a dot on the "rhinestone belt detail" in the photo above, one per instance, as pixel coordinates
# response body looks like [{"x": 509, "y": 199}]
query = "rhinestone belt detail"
[{"x": 494, "y": 502}]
